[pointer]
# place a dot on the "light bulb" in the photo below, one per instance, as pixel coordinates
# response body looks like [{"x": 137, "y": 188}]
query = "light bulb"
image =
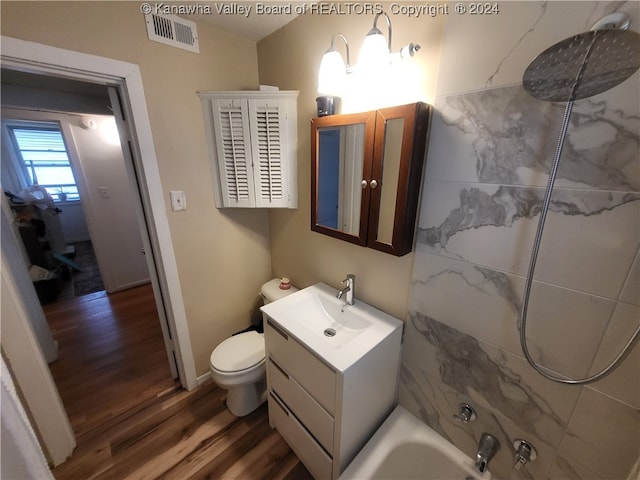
[
  {"x": 374, "y": 53},
  {"x": 332, "y": 74}
]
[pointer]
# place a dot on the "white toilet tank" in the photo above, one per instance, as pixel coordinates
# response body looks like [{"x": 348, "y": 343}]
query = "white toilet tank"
[{"x": 272, "y": 291}]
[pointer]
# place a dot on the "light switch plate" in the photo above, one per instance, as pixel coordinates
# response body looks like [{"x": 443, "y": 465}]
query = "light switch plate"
[{"x": 178, "y": 200}]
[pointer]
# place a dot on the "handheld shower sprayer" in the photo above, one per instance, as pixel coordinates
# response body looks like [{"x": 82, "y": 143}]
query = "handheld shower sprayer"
[{"x": 578, "y": 67}]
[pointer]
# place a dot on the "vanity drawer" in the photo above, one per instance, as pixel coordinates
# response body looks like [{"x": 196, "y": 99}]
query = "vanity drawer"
[
  {"x": 316, "y": 377},
  {"x": 303, "y": 405},
  {"x": 306, "y": 448}
]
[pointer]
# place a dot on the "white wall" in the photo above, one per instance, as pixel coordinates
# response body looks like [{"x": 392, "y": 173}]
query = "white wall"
[
  {"x": 112, "y": 221},
  {"x": 72, "y": 221}
]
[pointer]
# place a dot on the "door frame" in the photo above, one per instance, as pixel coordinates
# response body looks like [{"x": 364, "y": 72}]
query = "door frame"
[{"x": 44, "y": 59}]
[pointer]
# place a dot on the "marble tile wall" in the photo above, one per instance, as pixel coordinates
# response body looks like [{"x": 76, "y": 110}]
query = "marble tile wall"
[{"x": 490, "y": 149}]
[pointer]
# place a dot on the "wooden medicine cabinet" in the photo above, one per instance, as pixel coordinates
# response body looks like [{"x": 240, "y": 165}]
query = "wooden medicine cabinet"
[{"x": 366, "y": 175}]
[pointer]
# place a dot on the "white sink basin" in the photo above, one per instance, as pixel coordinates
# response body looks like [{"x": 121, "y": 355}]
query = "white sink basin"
[
  {"x": 340, "y": 334},
  {"x": 324, "y": 315}
]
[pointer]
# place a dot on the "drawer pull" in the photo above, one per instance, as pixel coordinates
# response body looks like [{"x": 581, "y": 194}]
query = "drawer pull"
[
  {"x": 277, "y": 329},
  {"x": 279, "y": 402},
  {"x": 280, "y": 369}
]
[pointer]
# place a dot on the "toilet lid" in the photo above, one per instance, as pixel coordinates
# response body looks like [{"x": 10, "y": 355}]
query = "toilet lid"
[{"x": 239, "y": 352}]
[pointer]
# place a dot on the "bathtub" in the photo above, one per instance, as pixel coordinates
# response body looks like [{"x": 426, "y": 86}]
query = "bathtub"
[{"x": 405, "y": 448}]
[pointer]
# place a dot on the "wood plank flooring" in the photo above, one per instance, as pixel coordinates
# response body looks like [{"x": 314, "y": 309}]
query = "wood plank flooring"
[{"x": 132, "y": 420}]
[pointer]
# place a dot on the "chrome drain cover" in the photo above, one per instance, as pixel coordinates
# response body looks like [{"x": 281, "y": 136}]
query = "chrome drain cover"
[{"x": 329, "y": 332}]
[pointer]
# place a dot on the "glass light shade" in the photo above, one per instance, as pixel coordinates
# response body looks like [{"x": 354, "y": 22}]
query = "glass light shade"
[
  {"x": 374, "y": 53},
  {"x": 333, "y": 74}
]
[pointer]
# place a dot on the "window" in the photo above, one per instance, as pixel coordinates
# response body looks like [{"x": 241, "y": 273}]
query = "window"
[{"x": 44, "y": 155}]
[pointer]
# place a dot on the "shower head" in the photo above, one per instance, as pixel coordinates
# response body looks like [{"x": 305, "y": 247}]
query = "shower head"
[{"x": 583, "y": 65}]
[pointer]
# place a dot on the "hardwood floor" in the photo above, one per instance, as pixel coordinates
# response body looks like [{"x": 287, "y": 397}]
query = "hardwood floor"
[{"x": 132, "y": 420}]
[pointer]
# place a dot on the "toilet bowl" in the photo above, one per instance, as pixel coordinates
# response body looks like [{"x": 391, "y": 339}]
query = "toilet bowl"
[{"x": 238, "y": 363}]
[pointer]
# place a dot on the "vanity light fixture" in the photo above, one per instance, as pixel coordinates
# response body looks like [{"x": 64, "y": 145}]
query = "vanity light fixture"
[{"x": 375, "y": 55}]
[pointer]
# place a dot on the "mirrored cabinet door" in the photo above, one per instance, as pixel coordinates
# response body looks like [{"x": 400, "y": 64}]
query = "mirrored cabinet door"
[
  {"x": 341, "y": 152},
  {"x": 366, "y": 175},
  {"x": 388, "y": 171},
  {"x": 398, "y": 159}
]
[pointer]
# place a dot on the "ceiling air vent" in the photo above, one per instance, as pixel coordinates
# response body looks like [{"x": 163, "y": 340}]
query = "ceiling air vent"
[{"x": 172, "y": 30}]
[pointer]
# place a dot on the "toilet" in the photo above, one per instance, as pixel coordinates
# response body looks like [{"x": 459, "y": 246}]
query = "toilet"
[{"x": 238, "y": 363}]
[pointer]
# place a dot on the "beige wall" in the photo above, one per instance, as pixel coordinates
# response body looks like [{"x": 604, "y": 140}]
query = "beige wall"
[
  {"x": 222, "y": 256},
  {"x": 290, "y": 59}
]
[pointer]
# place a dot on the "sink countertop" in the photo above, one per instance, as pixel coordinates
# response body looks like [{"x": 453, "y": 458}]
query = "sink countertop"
[{"x": 349, "y": 344}]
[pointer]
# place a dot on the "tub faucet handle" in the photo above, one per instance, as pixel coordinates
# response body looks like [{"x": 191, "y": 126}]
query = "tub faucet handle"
[
  {"x": 466, "y": 413},
  {"x": 525, "y": 453}
]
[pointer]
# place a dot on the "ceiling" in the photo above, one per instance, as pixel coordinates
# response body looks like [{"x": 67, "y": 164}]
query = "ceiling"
[{"x": 252, "y": 26}]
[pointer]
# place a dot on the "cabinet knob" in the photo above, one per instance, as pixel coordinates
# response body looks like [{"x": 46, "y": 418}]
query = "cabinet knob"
[
  {"x": 374, "y": 184},
  {"x": 364, "y": 184}
]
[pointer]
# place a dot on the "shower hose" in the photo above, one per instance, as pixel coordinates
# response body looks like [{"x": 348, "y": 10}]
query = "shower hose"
[{"x": 532, "y": 265}]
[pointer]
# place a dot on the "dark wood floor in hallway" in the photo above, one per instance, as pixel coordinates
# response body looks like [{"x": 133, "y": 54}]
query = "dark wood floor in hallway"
[{"x": 131, "y": 419}]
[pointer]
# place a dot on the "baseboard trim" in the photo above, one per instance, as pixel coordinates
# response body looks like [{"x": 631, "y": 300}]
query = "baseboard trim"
[
  {"x": 203, "y": 378},
  {"x": 129, "y": 285}
]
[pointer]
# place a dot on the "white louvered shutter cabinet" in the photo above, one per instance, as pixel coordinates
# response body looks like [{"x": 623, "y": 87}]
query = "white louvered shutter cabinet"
[{"x": 252, "y": 141}]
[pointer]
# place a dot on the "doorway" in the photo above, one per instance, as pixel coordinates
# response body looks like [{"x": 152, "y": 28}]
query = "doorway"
[
  {"x": 127, "y": 80},
  {"x": 61, "y": 142},
  {"x": 62, "y": 135}
]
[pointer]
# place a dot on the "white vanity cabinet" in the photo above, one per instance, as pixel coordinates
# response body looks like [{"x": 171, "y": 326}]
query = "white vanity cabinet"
[
  {"x": 326, "y": 412},
  {"x": 252, "y": 139}
]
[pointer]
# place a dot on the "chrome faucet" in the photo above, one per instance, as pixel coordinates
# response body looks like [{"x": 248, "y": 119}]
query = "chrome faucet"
[
  {"x": 349, "y": 289},
  {"x": 487, "y": 448}
]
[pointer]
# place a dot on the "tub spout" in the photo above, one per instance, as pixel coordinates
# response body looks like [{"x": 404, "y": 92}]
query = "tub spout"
[
  {"x": 481, "y": 463},
  {"x": 487, "y": 448}
]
